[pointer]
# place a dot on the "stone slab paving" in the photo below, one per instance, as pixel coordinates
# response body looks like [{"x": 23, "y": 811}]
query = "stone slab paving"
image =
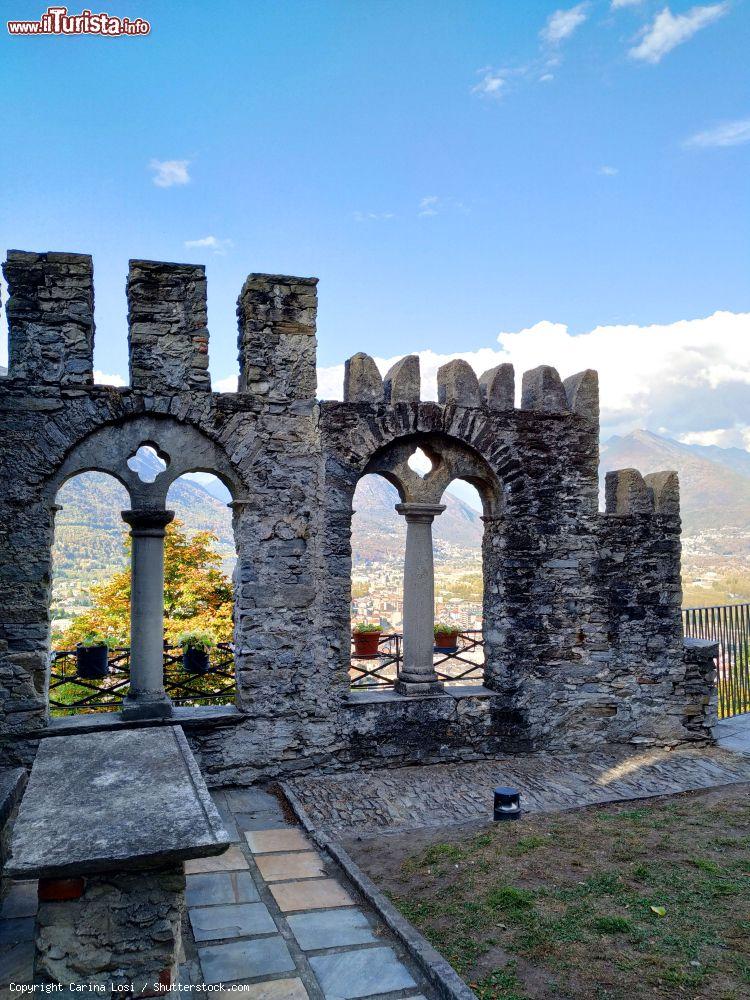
[
  {"x": 734, "y": 734},
  {"x": 408, "y": 798},
  {"x": 296, "y": 934},
  {"x": 273, "y": 915}
]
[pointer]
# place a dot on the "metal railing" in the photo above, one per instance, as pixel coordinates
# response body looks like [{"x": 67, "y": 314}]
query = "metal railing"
[
  {"x": 71, "y": 694},
  {"x": 463, "y": 664},
  {"x": 729, "y": 625}
]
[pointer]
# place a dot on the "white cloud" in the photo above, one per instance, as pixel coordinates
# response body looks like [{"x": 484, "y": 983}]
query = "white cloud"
[
  {"x": 691, "y": 376},
  {"x": 562, "y": 23},
  {"x": 228, "y": 384},
  {"x": 617, "y": 4},
  {"x": 607, "y": 171},
  {"x": 669, "y": 30},
  {"x": 429, "y": 205},
  {"x": 103, "y": 378},
  {"x": 373, "y": 216},
  {"x": 492, "y": 85},
  {"x": 167, "y": 173},
  {"x": 727, "y": 134},
  {"x": 219, "y": 247},
  {"x": 546, "y": 77}
]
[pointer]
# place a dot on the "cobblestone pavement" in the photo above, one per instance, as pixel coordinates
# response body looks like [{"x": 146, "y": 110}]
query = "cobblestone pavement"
[
  {"x": 270, "y": 913},
  {"x": 363, "y": 803}
]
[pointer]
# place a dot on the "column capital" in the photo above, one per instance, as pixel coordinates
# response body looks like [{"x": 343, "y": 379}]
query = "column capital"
[
  {"x": 420, "y": 512},
  {"x": 147, "y": 522}
]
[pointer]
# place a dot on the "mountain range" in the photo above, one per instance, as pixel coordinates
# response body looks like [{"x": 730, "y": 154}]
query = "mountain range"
[{"x": 714, "y": 486}]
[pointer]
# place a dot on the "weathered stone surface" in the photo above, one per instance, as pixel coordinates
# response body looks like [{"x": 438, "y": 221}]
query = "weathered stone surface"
[
  {"x": 402, "y": 382},
  {"x": 498, "y": 387},
  {"x": 109, "y": 801},
  {"x": 50, "y": 317},
  {"x": 591, "y": 600},
  {"x": 124, "y": 931},
  {"x": 626, "y": 492},
  {"x": 277, "y": 315},
  {"x": 541, "y": 389},
  {"x": 167, "y": 327},
  {"x": 362, "y": 380},
  {"x": 582, "y": 393},
  {"x": 458, "y": 384}
]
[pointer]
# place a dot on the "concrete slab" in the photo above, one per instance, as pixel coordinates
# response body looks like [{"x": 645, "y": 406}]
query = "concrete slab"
[
  {"x": 226, "y": 963},
  {"x": 251, "y": 800},
  {"x": 331, "y": 929},
  {"x": 99, "y": 802},
  {"x": 214, "y": 888},
  {"x": 214, "y": 923},
  {"x": 13, "y": 931},
  {"x": 260, "y": 821},
  {"x": 315, "y": 894},
  {"x": 17, "y": 963},
  {"x": 361, "y": 973},
  {"x": 283, "y": 867},
  {"x": 21, "y": 901},
  {"x": 274, "y": 989},
  {"x": 267, "y": 841},
  {"x": 231, "y": 860}
]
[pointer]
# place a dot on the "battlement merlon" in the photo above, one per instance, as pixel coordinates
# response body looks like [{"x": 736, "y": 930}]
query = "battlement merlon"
[
  {"x": 276, "y": 317},
  {"x": 50, "y": 313},
  {"x": 167, "y": 327},
  {"x": 628, "y": 493}
]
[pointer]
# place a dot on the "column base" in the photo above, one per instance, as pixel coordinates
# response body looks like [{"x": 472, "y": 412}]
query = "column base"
[
  {"x": 147, "y": 706},
  {"x": 412, "y": 688}
]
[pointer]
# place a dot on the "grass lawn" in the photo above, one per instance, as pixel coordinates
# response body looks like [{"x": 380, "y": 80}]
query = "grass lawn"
[{"x": 647, "y": 899}]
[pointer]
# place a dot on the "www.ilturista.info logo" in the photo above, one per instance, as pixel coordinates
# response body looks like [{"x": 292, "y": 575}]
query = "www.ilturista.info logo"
[{"x": 57, "y": 21}]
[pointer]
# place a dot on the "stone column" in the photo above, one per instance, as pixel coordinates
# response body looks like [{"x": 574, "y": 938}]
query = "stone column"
[
  {"x": 147, "y": 698},
  {"x": 417, "y": 673}
]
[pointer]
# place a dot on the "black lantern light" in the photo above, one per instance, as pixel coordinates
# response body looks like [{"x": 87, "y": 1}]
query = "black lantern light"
[{"x": 507, "y": 803}]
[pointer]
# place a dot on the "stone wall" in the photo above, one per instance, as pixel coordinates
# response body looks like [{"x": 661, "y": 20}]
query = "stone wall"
[
  {"x": 122, "y": 932},
  {"x": 582, "y": 625}
]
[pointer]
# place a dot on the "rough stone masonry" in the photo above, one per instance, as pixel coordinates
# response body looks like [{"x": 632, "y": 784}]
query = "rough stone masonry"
[{"x": 582, "y": 630}]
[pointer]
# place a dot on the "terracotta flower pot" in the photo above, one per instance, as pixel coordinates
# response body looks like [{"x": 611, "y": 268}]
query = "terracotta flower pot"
[
  {"x": 446, "y": 641},
  {"x": 366, "y": 643}
]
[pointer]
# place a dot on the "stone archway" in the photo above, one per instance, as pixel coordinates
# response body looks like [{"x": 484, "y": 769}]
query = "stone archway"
[
  {"x": 421, "y": 498},
  {"x": 182, "y": 448}
]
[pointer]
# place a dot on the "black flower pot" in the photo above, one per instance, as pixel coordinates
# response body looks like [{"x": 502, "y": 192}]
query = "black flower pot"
[
  {"x": 91, "y": 662},
  {"x": 195, "y": 661}
]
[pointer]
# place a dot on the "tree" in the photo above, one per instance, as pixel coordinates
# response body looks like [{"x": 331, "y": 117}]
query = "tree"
[{"x": 197, "y": 595}]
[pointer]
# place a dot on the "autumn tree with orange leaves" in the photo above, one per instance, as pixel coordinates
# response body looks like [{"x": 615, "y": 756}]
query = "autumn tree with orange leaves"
[{"x": 197, "y": 595}]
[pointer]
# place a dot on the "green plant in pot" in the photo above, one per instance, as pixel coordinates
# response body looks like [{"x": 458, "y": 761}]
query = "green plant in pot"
[
  {"x": 446, "y": 637},
  {"x": 366, "y": 639},
  {"x": 92, "y": 656},
  {"x": 196, "y": 649}
]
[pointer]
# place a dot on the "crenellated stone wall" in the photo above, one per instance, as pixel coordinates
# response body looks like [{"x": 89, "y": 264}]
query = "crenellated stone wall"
[{"x": 581, "y": 610}]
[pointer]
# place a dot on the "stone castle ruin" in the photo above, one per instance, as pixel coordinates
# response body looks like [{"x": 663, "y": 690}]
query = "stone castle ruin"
[{"x": 582, "y": 629}]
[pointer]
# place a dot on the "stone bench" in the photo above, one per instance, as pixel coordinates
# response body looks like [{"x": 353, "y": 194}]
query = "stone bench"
[{"x": 105, "y": 825}]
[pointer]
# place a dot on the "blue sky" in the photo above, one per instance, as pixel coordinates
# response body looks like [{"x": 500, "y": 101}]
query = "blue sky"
[{"x": 449, "y": 170}]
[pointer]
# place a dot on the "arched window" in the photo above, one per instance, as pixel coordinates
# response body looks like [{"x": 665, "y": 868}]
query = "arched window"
[
  {"x": 378, "y": 536},
  {"x": 90, "y": 606},
  {"x": 459, "y": 586}
]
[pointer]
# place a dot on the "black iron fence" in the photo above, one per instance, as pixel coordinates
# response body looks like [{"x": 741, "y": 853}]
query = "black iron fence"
[
  {"x": 72, "y": 694},
  {"x": 729, "y": 625},
  {"x": 460, "y": 664}
]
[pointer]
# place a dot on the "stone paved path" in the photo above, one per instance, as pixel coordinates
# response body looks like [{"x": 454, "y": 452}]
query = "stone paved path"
[
  {"x": 409, "y": 798},
  {"x": 734, "y": 734},
  {"x": 270, "y": 913}
]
